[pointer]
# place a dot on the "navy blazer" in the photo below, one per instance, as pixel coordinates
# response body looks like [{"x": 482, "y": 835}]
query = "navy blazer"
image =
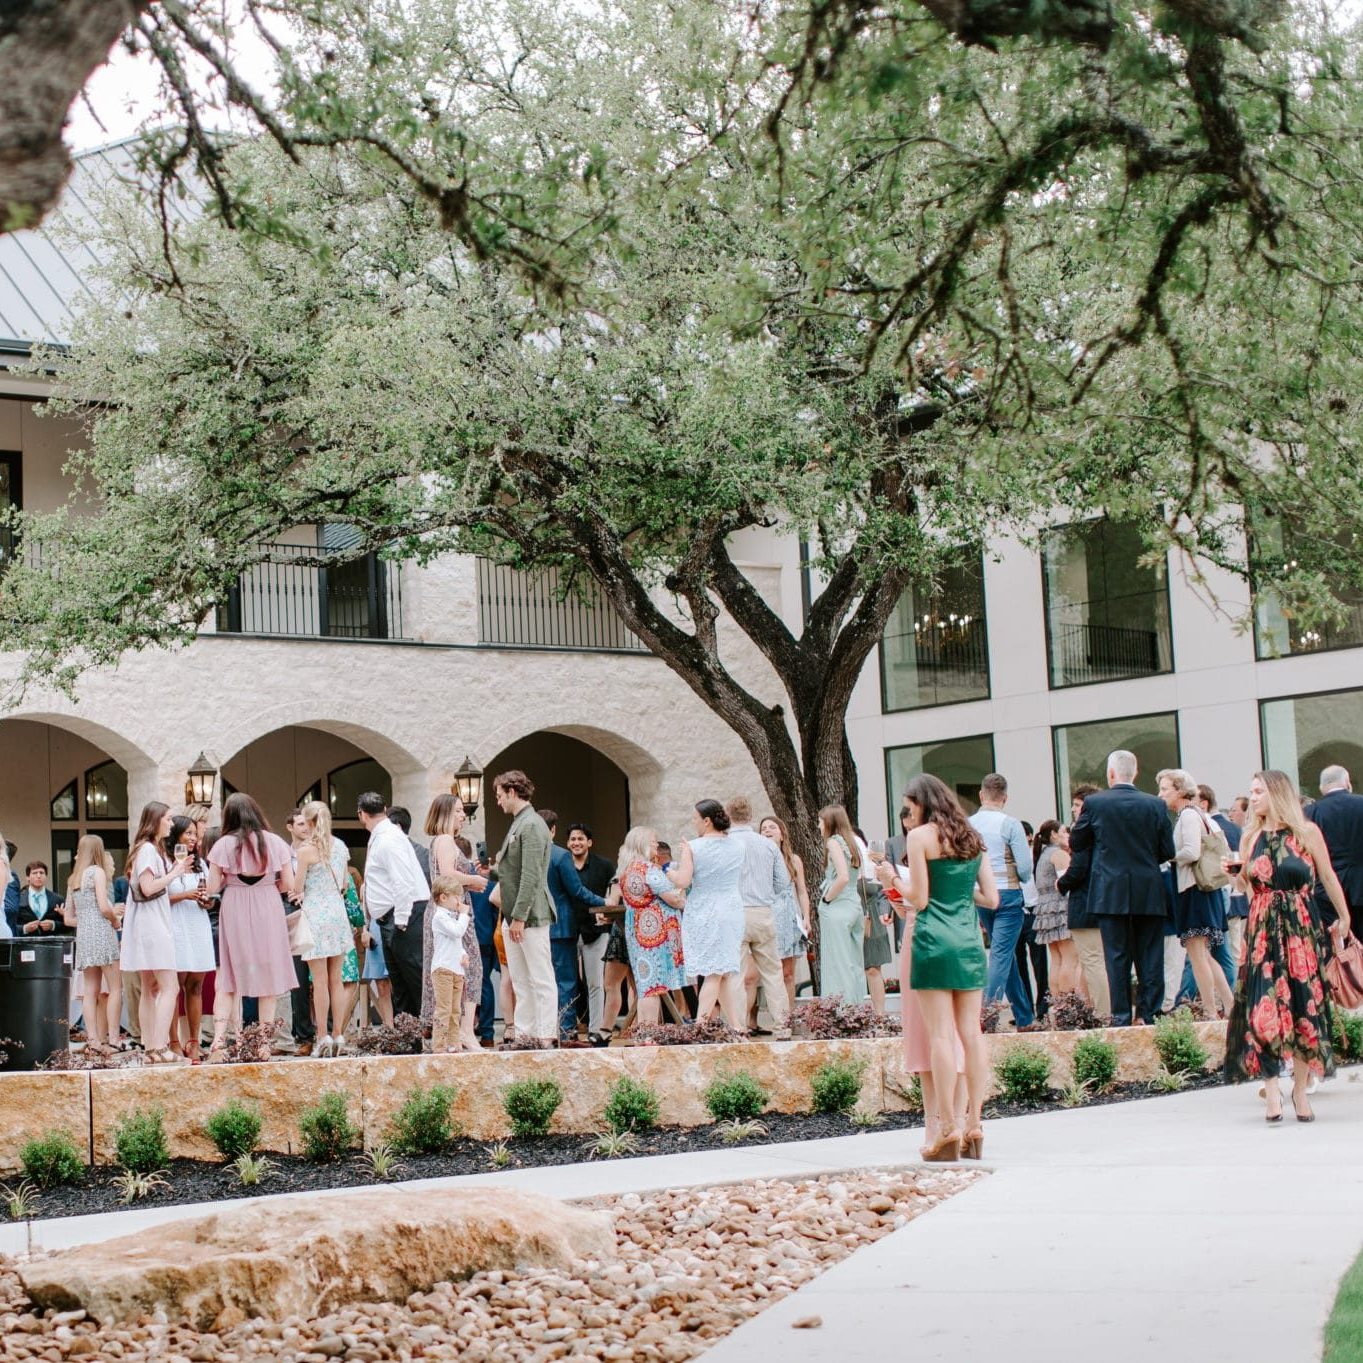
[
  {"x": 1075, "y": 883},
  {"x": 1339, "y": 816},
  {"x": 24, "y": 914},
  {"x": 567, "y": 889},
  {"x": 1129, "y": 836}
]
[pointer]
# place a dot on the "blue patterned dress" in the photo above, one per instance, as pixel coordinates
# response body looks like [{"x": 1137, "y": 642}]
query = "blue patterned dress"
[
  {"x": 653, "y": 931},
  {"x": 712, "y": 922}
]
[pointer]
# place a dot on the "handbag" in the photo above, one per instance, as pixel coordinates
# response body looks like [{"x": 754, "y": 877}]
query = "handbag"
[
  {"x": 301, "y": 940},
  {"x": 1344, "y": 974},
  {"x": 1208, "y": 872}
]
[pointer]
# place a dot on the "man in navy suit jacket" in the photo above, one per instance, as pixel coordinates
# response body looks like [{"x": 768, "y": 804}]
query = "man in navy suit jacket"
[
  {"x": 567, "y": 889},
  {"x": 1339, "y": 816},
  {"x": 1129, "y": 837}
]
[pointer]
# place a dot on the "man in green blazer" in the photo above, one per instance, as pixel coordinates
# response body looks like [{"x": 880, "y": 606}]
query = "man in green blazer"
[{"x": 527, "y": 908}]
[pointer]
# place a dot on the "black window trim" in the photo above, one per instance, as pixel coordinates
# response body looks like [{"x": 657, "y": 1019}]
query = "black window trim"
[{"x": 1063, "y": 796}]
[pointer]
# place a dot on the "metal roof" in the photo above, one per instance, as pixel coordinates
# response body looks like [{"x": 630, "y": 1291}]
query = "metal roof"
[{"x": 43, "y": 270}]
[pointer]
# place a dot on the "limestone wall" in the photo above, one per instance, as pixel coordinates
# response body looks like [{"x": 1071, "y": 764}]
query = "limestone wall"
[{"x": 90, "y": 1105}]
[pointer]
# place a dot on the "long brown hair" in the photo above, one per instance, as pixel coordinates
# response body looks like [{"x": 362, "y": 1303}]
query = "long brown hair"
[
  {"x": 940, "y": 807},
  {"x": 242, "y": 817},
  {"x": 152, "y": 814},
  {"x": 1284, "y": 807},
  {"x": 833, "y": 823},
  {"x": 784, "y": 844}
]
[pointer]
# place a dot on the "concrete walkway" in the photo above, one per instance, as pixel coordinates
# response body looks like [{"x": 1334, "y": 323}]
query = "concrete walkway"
[{"x": 1176, "y": 1230}]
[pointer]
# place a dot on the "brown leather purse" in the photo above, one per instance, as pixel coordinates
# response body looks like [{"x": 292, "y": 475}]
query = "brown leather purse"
[{"x": 1344, "y": 974}]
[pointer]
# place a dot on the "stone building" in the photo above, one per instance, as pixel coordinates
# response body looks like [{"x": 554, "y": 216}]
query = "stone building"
[{"x": 313, "y": 683}]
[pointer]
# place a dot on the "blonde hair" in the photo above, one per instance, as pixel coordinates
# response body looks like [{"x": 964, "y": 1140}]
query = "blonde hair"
[
  {"x": 446, "y": 886},
  {"x": 1180, "y": 780},
  {"x": 89, "y": 852},
  {"x": 634, "y": 848},
  {"x": 318, "y": 819},
  {"x": 1284, "y": 809}
]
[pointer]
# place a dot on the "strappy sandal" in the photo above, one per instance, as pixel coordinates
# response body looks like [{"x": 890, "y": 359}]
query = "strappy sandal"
[{"x": 217, "y": 1055}]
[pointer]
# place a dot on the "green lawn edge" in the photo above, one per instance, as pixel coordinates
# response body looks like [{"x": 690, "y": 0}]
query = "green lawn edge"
[{"x": 1344, "y": 1329}]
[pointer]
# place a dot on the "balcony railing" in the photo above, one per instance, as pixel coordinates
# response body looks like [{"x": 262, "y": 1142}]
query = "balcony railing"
[
  {"x": 938, "y": 664},
  {"x": 358, "y": 599},
  {"x": 527, "y": 610},
  {"x": 1084, "y": 653}
]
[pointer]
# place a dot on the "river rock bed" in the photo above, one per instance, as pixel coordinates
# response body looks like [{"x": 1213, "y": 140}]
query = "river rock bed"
[{"x": 692, "y": 1265}]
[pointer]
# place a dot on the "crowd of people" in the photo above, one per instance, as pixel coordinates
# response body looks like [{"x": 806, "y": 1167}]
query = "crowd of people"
[{"x": 1140, "y": 903}]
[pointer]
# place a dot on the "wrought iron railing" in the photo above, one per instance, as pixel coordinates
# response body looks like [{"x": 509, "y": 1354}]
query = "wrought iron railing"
[
  {"x": 530, "y": 610},
  {"x": 360, "y": 598},
  {"x": 936, "y": 665},
  {"x": 1083, "y": 653}
]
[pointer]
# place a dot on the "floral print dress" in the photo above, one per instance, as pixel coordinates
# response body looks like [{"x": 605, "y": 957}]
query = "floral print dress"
[{"x": 1282, "y": 1003}]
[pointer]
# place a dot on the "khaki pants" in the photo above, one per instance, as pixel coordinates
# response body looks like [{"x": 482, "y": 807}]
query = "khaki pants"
[
  {"x": 759, "y": 941},
  {"x": 449, "y": 997},
  {"x": 1235, "y": 936},
  {"x": 1089, "y": 943},
  {"x": 132, "y": 1002},
  {"x": 532, "y": 975}
]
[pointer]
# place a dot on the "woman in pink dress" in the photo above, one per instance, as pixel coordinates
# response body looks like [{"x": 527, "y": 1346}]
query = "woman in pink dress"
[{"x": 252, "y": 868}]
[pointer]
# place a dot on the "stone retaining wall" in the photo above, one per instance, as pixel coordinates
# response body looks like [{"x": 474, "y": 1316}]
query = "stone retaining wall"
[{"x": 88, "y": 1105}]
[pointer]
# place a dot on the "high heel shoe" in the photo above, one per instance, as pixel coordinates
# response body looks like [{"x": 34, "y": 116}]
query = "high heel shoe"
[
  {"x": 972, "y": 1144},
  {"x": 947, "y": 1150},
  {"x": 1308, "y": 1116}
]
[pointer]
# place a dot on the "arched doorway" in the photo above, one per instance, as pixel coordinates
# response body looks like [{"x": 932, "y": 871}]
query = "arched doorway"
[
  {"x": 60, "y": 785},
  {"x": 290, "y": 766},
  {"x": 572, "y": 777}
]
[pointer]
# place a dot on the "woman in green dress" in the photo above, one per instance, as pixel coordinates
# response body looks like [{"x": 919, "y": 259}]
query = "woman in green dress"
[
  {"x": 945, "y": 877},
  {"x": 841, "y": 970}
]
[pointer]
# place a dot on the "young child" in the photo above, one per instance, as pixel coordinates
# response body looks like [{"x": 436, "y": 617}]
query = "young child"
[{"x": 449, "y": 961}]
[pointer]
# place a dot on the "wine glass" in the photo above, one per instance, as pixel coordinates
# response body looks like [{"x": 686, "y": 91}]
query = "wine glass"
[
  {"x": 878, "y": 848},
  {"x": 181, "y": 851}
]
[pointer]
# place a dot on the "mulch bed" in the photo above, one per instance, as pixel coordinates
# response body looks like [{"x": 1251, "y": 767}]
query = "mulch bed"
[{"x": 199, "y": 1181}]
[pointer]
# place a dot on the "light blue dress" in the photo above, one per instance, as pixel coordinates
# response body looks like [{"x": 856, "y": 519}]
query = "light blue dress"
[
  {"x": 324, "y": 906},
  {"x": 712, "y": 922},
  {"x": 787, "y": 914}
]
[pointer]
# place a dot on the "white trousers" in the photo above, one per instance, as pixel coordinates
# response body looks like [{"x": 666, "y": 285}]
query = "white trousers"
[
  {"x": 532, "y": 974},
  {"x": 593, "y": 971}
]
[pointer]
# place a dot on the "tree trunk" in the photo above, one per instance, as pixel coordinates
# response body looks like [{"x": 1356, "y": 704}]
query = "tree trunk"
[{"x": 48, "y": 50}]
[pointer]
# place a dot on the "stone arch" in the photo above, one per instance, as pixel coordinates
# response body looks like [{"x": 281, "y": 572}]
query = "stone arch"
[
  {"x": 401, "y": 755},
  {"x": 132, "y": 757},
  {"x": 630, "y": 755}
]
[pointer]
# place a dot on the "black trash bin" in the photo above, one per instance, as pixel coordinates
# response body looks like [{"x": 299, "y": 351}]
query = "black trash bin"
[{"x": 35, "y": 999}]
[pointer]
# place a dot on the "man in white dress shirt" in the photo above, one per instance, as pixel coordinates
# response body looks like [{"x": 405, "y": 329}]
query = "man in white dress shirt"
[{"x": 393, "y": 882}]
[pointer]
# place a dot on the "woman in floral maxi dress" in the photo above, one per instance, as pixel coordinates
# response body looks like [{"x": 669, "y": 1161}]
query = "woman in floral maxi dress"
[{"x": 1282, "y": 1005}]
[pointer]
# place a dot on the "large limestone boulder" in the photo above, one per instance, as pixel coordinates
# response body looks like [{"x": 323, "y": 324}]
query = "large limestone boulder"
[{"x": 305, "y": 1256}]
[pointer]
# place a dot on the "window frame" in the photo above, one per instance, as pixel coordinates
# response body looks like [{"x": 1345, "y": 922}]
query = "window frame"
[
  {"x": 887, "y": 709},
  {"x": 893, "y": 797},
  {"x": 1051, "y": 683},
  {"x": 1295, "y": 695},
  {"x": 1062, "y": 795}
]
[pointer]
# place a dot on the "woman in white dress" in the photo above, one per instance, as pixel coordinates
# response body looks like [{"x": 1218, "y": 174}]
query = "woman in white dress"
[
  {"x": 319, "y": 880},
  {"x": 192, "y": 927},
  {"x": 90, "y": 910},
  {"x": 148, "y": 938}
]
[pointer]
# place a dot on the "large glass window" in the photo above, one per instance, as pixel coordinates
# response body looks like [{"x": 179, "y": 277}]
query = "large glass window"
[
  {"x": 936, "y": 650},
  {"x": 1081, "y": 751},
  {"x": 1278, "y": 630},
  {"x": 960, "y": 762},
  {"x": 346, "y": 784},
  {"x": 1107, "y": 613},
  {"x": 1303, "y": 734}
]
